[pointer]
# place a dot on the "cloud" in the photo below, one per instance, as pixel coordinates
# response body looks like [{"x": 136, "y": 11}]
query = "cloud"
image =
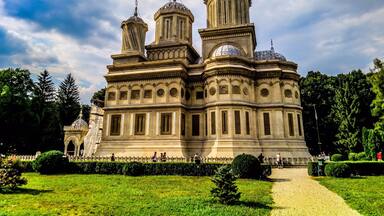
[{"x": 78, "y": 37}]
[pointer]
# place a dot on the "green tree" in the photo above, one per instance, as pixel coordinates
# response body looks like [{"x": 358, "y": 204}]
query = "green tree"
[
  {"x": 351, "y": 110},
  {"x": 226, "y": 191},
  {"x": 377, "y": 81},
  {"x": 68, "y": 100},
  {"x": 44, "y": 107},
  {"x": 17, "y": 128},
  {"x": 86, "y": 112},
  {"x": 346, "y": 111},
  {"x": 98, "y": 97},
  {"x": 318, "y": 90}
]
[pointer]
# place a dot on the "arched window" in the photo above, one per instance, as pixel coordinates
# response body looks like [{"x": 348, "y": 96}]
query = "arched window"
[{"x": 71, "y": 149}]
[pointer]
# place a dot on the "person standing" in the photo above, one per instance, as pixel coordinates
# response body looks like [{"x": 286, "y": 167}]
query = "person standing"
[
  {"x": 154, "y": 157},
  {"x": 279, "y": 161}
]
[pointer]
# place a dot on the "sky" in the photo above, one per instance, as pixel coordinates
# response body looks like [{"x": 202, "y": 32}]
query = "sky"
[{"x": 79, "y": 36}]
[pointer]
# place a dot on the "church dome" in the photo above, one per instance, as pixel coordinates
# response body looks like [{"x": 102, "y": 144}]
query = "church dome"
[
  {"x": 135, "y": 19},
  {"x": 174, "y": 6},
  {"x": 226, "y": 50},
  {"x": 79, "y": 124},
  {"x": 269, "y": 55}
]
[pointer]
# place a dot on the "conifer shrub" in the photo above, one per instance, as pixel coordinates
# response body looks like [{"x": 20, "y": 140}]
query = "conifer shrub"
[
  {"x": 10, "y": 175},
  {"x": 226, "y": 191},
  {"x": 338, "y": 170},
  {"x": 51, "y": 162},
  {"x": 247, "y": 166}
]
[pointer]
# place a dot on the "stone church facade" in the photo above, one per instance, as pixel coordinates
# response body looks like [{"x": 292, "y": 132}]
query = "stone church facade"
[{"x": 165, "y": 97}]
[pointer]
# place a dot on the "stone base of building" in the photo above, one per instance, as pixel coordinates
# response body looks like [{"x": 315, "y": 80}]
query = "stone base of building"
[{"x": 205, "y": 148}]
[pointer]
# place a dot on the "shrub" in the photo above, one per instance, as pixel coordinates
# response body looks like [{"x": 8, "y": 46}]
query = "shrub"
[
  {"x": 246, "y": 166},
  {"x": 52, "y": 162},
  {"x": 337, "y": 157},
  {"x": 352, "y": 156},
  {"x": 10, "y": 174},
  {"x": 367, "y": 168},
  {"x": 226, "y": 191},
  {"x": 362, "y": 156},
  {"x": 182, "y": 169},
  {"x": 133, "y": 169},
  {"x": 338, "y": 170}
]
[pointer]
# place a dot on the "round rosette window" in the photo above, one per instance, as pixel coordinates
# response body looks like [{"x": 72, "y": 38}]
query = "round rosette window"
[
  {"x": 173, "y": 92},
  {"x": 160, "y": 92}
]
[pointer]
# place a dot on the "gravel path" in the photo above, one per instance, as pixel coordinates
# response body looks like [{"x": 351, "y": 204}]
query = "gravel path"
[{"x": 295, "y": 193}]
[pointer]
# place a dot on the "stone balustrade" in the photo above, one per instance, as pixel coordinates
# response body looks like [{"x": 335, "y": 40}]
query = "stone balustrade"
[{"x": 294, "y": 162}]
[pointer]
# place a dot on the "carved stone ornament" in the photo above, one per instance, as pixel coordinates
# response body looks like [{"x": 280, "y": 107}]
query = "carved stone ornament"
[
  {"x": 288, "y": 93},
  {"x": 212, "y": 91},
  {"x": 264, "y": 92},
  {"x": 160, "y": 92},
  {"x": 173, "y": 92},
  {"x": 246, "y": 91}
]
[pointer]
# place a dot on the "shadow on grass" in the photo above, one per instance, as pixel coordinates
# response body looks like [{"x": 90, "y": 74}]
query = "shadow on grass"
[
  {"x": 255, "y": 205},
  {"x": 25, "y": 191},
  {"x": 279, "y": 180}
]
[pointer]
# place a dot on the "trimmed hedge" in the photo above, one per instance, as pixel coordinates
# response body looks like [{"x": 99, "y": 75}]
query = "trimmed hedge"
[
  {"x": 51, "y": 162},
  {"x": 361, "y": 168},
  {"x": 362, "y": 156},
  {"x": 337, "y": 157},
  {"x": 338, "y": 170},
  {"x": 247, "y": 166},
  {"x": 352, "y": 156},
  {"x": 117, "y": 168}
]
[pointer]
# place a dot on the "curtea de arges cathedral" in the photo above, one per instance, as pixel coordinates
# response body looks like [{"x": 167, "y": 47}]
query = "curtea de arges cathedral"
[{"x": 231, "y": 99}]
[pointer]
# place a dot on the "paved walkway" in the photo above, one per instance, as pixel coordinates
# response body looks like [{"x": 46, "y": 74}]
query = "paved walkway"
[{"x": 295, "y": 193}]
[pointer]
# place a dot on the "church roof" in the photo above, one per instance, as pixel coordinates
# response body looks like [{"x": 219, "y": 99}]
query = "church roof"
[
  {"x": 226, "y": 50},
  {"x": 174, "y": 5},
  {"x": 269, "y": 55},
  {"x": 135, "y": 19},
  {"x": 80, "y": 123}
]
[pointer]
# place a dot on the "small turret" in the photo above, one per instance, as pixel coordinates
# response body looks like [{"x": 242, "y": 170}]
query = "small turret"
[{"x": 134, "y": 34}]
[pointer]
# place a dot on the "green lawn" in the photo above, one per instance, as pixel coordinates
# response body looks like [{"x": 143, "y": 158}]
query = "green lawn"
[
  {"x": 365, "y": 194},
  {"x": 121, "y": 195}
]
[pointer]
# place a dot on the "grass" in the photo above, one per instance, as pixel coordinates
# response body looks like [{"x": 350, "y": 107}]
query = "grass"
[
  {"x": 121, "y": 195},
  {"x": 364, "y": 194}
]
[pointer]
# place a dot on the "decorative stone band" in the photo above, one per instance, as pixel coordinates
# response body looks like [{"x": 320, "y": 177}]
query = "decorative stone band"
[{"x": 199, "y": 107}]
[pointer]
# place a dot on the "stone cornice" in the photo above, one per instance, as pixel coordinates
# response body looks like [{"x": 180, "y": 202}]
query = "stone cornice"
[
  {"x": 145, "y": 76},
  {"x": 208, "y": 105},
  {"x": 229, "y": 30}
]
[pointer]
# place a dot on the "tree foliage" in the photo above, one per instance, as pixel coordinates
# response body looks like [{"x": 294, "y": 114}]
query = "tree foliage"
[
  {"x": 47, "y": 118},
  {"x": 377, "y": 81},
  {"x": 318, "y": 91},
  {"x": 18, "y": 126},
  {"x": 32, "y": 115},
  {"x": 99, "y": 96},
  {"x": 226, "y": 191},
  {"x": 351, "y": 110},
  {"x": 10, "y": 174},
  {"x": 68, "y": 100}
]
